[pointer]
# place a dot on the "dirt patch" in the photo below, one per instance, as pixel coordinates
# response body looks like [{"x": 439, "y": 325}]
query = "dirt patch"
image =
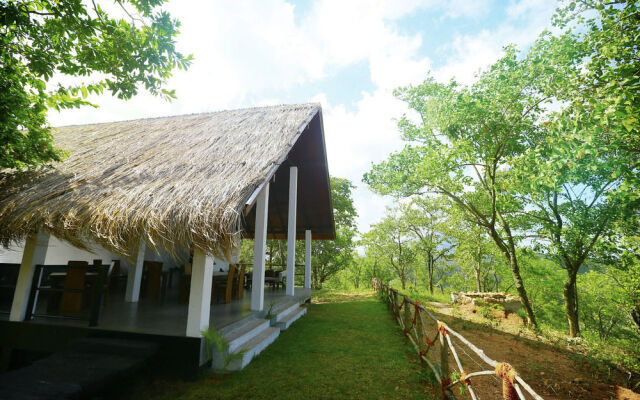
[{"x": 552, "y": 371}]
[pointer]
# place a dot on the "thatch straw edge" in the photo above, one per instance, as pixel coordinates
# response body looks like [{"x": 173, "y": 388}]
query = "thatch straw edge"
[{"x": 178, "y": 182}]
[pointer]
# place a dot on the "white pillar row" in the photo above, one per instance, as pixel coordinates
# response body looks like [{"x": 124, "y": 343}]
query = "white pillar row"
[
  {"x": 134, "y": 276},
  {"x": 35, "y": 251},
  {"x": 291, "y": 231},
  {"x": 307, "y": 259},
  {"x": 259, "y": 250},
  {"x": 200, "y": 294}
]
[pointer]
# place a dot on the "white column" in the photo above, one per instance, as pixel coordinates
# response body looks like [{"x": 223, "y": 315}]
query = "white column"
[
  {"x": 134, "y": 276},
  {"x": 35, "y": 251},
  {"x": 307, "y": 259},
  {"x": 259, "y": 250},
  {"x": 200, "y": 294},
  {"x": 291, "y": 231}
]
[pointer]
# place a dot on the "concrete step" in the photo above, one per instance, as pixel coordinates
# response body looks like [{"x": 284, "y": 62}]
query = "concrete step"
[
  {"x": 227, "y": 329},
  {"x": 244, "y": 333},
  {"x": 253, "y": 347},
  {"x": 290, "y": 318},
  {"x": 285, "y": 310}
]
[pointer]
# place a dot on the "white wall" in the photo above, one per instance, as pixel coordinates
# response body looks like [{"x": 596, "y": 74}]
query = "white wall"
[{"x": 59, "y": 252}]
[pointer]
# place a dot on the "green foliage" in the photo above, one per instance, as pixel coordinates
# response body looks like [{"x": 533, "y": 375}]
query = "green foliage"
[
  {"x": 426, "y": 219},
  {"x": 270, "y": 311},
  {"x": 212, "y": 337},
  {"x": 330, "y": 256},
  {"x": 423, "y": 295},
  {"x": 545, "y": 281},
  {"x": 462, "y": 388},
  {"x": 463, "y": 145},
  {"x": 582, "y": 176},
  {"x": 40, "y": 39},
  {"x": 390, "y": 243},
  {"x": 544, "y": 145},
  {"x": 602, "y": 308}
]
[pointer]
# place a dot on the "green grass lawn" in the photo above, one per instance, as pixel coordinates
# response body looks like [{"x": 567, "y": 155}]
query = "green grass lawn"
[{"x": 346, "y": 347}]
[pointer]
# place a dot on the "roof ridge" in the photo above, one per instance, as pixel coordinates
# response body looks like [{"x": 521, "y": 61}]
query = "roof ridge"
[{"x": 312, "y": 105}]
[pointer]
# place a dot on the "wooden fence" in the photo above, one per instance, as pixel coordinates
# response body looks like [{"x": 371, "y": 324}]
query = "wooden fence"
[{"x": 418, "y": 324}]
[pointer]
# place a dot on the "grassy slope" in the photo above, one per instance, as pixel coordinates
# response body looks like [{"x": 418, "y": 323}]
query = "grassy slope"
[{"x": 347, "y": 346}]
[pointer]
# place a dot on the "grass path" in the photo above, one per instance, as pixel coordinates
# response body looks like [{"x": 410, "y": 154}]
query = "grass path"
[{"x": 346, "y": 347}]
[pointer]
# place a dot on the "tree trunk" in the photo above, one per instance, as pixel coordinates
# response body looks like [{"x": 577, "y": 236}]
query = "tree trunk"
[
  {"x": 522, "y": 292},
  {"x": 571, "y": 302},
  {"x": 510, "y": 253},
  {"x": 430, "y": 263},
  {"x": 477, "y": 269}
]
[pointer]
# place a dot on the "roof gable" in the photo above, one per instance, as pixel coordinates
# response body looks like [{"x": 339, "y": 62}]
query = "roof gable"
[{"x": 177, "y": 181}]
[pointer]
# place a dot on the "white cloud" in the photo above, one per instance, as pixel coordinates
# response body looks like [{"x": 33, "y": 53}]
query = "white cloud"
[
  {"x": 473, "y": 52},
  {"x": 247, "y": 52},
  {"x": 355, "y": 140}
]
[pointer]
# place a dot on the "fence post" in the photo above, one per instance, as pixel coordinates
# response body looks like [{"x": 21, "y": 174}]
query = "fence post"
[
  {"x": 421, "y": 332},
  {"x": 407, "y": 316},
  {"x": 396, "y": 312},
  {"x": 444, "y": 359}
]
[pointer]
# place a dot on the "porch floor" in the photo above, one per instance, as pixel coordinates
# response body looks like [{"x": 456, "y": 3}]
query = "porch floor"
[{"x": 168, "y": 317}]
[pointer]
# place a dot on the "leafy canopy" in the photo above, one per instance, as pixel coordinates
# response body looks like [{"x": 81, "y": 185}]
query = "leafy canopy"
[
  {"x": 40, "y": 39},
  {"x": 330, "y": 256}
]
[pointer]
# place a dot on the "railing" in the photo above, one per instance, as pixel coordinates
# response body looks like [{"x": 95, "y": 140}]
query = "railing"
[
  {"x": 435, "y": 352},
  {"x": 42, "y": 285},
  {"x": 8, "y": 278}
]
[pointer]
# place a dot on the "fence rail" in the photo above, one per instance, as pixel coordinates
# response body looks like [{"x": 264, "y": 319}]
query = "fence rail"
[{"x": 435, "y": 352}]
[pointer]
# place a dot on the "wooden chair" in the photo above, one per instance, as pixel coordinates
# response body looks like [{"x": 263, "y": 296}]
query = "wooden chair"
[
  {"x": 224, "y": 286},
  {"x": 240, "y": 282},
  {"x": 154, "y": 284},
  {"x": 185, "y": 284},
  {"x": 229, "y": 288},
  {"x": 72, "y": 302}
]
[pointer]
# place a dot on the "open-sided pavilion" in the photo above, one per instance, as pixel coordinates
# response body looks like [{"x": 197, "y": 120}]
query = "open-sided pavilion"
[{"x": 177, "y": 189}]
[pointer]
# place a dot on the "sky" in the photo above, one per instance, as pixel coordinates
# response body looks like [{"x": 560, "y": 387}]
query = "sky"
[{"x": 347, "y": 55}]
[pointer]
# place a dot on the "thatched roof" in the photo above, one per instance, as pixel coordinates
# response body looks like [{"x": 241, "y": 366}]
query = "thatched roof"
[{"x": 177, "y": 182}]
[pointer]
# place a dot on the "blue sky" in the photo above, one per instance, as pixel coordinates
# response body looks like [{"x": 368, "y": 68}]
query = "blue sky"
[{"x": 348, "y": 55}]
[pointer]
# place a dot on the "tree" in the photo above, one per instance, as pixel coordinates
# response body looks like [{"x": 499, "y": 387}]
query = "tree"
[
  {"x": 426, "y": 219},
  {"x": 391, "y": 242},
  {"x": 602, "y": 303},
  {"x": 620, "y": 253},
  {"x": 583, "y": 177},
  {"x": 603, "y": 101},
  {"x": 463, "y": 144},
  {"x": 476, "y": 253},
  {"x": 40, "y": 39},
  {"x": 330, "y": 256}
]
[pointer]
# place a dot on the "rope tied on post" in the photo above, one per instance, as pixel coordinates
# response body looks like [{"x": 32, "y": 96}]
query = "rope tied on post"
[
  {"x": 442, "y": 328},
  {"x": 508, "y": 375},
  {"x": 463, "y": 379}
]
